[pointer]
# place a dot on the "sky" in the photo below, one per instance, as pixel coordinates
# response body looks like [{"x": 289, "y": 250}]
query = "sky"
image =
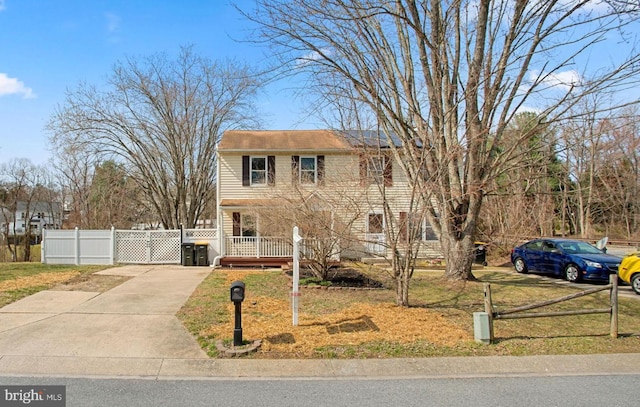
[{"x": 47, "y": 47}]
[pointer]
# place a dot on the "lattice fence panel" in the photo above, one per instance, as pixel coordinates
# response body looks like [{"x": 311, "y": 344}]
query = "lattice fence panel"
[
  {"x": 164, "y": 246},
  {"x": 200, "y": 234},
  {"x": 131, "y": 246}
]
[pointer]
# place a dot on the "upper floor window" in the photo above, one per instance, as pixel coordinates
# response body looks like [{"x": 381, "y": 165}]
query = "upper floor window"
[
  {"x": 376, "y": 169},
  {"x": 307, "y": 170},
  {"x": 258, "y": 170}
]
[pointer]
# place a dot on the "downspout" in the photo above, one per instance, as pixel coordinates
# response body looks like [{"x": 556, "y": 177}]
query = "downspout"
[{"x": 219, "y": 229}]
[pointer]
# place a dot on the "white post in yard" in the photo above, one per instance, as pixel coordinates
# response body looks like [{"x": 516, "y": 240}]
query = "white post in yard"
[{"x": 295, "y": 292}]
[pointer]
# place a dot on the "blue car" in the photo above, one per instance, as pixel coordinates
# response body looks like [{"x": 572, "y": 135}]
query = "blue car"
[{"x": 573, "y": 260}]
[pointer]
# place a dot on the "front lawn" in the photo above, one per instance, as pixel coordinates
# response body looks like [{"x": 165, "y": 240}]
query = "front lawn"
[
  {"x": 343, "y": 323},
  {"x": 18, "y": 280}
]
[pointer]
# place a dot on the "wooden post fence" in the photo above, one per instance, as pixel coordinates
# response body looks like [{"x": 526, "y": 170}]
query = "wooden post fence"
[{"x": 517, "y": 313}]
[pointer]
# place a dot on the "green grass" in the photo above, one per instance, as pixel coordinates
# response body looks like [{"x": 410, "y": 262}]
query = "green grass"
[
  {"x": 5, "y": 254},
  {"x": 586, "y": 334}
]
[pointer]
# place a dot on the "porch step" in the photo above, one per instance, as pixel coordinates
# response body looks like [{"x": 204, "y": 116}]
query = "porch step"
[{"x": 254, "y": 262}]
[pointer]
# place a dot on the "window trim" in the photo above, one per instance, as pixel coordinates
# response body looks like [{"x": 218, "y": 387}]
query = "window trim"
[
  {"x": 382, "y": 223},
  {"x": 315, "y": 170},
  {"x": 383, "y": 176},
  {"x": 265, "y": 171}
]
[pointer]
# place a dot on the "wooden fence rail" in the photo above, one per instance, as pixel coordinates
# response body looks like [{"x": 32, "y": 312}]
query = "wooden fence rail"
[{"x": 517, "y": 313}]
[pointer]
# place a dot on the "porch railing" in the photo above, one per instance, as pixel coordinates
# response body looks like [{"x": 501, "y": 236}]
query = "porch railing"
[{"x": 258, "y": 247}]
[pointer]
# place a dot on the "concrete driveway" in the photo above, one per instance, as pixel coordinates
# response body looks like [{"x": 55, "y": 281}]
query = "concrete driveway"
[
  {"x": 135, "y": 320},
  {"x": 131, "y": 331}
]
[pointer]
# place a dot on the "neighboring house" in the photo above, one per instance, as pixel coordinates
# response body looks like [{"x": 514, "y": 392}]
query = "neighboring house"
[
  {"x": 264, "y": 177},
  {"x": 38, "y": 215}
]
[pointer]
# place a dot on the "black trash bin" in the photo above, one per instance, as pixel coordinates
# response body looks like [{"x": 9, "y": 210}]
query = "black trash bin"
[
  {"x": 188, "y": 252},
  {"x": 202, "y": 258},
  {"x": 481, "y": 253}
]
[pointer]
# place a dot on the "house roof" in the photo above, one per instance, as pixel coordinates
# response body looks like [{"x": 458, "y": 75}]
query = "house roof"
[
  {"x": 227, "y": 203},
  {"x": 244, "y": 202},
  {"x": 296, "y": 140},
  {"x": 282, "y": 140}
]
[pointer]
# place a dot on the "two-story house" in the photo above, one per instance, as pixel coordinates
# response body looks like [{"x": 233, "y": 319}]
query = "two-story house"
[
  {"x": 319, "y": 180},
  {"x": 35, "y": 216}
]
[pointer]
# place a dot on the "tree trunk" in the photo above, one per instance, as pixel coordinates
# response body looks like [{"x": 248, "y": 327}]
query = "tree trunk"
[
  {"x": 460, "y": 255},
  {"x": 402, "y": 289},
  {"x": 27, "y": 247}
]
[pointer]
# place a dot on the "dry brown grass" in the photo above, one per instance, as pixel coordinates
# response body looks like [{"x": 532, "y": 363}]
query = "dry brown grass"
[
  {"x": 18, "y": 280},
  {"x": 357, "y": 324},
  {"x": 37, "y": 280},
  {"x": 327, "y": 318},
  {"x": 271, "y": 320}
]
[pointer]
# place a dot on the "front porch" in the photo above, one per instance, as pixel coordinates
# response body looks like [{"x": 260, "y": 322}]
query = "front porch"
[
  {"x": 256, "y": 251},
  {"x": 261, "y": 251}
]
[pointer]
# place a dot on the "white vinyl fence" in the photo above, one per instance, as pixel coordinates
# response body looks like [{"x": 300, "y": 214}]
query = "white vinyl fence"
[{"x": 123, "y": 246}]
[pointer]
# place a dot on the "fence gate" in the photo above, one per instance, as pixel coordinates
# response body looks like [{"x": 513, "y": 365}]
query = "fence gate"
[{"x": 147, "y": 246}]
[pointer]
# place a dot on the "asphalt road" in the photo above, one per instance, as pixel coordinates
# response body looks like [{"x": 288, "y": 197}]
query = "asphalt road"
[{"x": 548, "y": 391}]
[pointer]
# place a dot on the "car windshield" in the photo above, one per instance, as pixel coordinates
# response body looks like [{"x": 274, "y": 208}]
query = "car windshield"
[{"x": 579, "y": 247}]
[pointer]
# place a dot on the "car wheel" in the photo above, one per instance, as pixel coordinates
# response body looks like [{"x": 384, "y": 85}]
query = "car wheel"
[
  {"x": 520, "y": 265},
  {"x": 635, "y": 283},
  {"x": 572, "y": 273}
]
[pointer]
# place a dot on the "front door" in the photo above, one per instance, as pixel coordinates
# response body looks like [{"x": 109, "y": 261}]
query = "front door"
[{"x": 375, "y": 237}]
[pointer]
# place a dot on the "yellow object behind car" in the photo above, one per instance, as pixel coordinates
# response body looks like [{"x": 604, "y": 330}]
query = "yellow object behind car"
[{"x": 629, "y": 270}]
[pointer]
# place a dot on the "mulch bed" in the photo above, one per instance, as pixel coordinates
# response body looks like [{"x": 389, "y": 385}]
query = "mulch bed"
[{"x": 338, "y": 277}]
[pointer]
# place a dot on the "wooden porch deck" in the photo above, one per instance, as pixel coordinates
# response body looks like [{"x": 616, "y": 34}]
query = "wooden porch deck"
[{"x": 233, "y": 261}]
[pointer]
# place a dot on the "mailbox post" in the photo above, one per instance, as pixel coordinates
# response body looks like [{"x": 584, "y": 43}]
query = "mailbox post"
[{"x": 237, "y": 296}]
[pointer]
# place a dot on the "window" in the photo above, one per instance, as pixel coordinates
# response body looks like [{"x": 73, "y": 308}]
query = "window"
[
  {"x": 412, "y": 228},
  {"x": 307, "y": 170},
  {"x": 248, "y": 228},
  {"x": 535, "y": 245},
  {"x": 244, "y": 225},
  {"x": 375, "y": 223},
  {"x": 376, "y": 169},
  {"x": 258, "y": 170},
  {"x": 429, "y": 233}
]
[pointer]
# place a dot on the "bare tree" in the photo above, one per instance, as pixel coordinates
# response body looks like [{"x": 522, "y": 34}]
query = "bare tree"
[
  {"x": 618, "y": 180},
  {"x": 161, "y": 118},
  {"x": 114, "y": 199},
  {"x": 23, "y": 184},
  {"x": 325, "y": 221},
  {"x": 394, "y": 209},
  {"x": 524, "y": 200},
  {"x": 582, "y": 138},
  {"x": 446, "y": 78},
  {"x": 74, "y": 166}
]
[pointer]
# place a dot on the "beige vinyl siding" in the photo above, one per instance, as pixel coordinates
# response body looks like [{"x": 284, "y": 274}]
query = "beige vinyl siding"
[{"x": 341, "y": 184}]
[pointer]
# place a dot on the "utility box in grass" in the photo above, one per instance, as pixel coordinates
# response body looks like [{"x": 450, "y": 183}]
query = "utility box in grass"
[{"x": 481, "y": 329}]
